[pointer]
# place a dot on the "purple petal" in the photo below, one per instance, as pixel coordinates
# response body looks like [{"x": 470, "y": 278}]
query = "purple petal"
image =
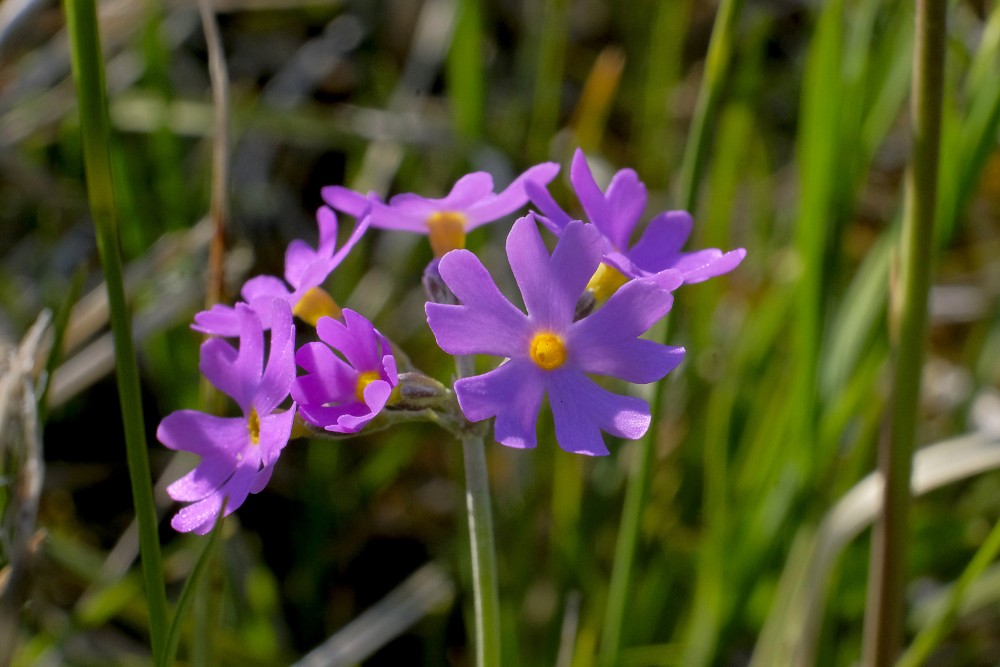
[
  {"x": 605, "y": 342},
  {"x": 630, "y": 312},
  {"x": 552, "y": 286},
  {"x": 327, "y": 417},
  {"x": 359, "y": 230},
  {"x": 195, "y": 518},
  {"x": 409, "y": 218},
  {"x": 702, "y": 265},
  {"x": 512, "y": 393},
  {"x": 486, "y": 322},
  {"x": 659, "y": 246},
  {"x": 202, "y": 481},
  {"x": 587, "y": 191},
  {"x": 313, "y": 272},
  {"x": 467, "y": 191},
  {"x": 389, "y": 372},
  {"x": 219, "y": 320},
  {"x": 348, "y": 201},
  {"x": 326, "y": 220},
  {"x": 216, "y": 363},
  {"x": 376, "y": 396},
  {"x": 348, "y": 423},
  {"x": 513, "y": 197},
  {"x": 637, "y": 360},
  {"x": 667, "y": 280},
  {"x": 263, "y": 477},
  {"x": 312, "y": 276},
  {"x": 203, "y": 434},
  {"x": 329, "y": 380},
  {"x": 552, "y": 215},
  {"x": 356, "y": 339},
  {"x": 261, "y": 289},
  {"x": 581, "y": 410},
  {"x": 242, "y": 375},
  {"x": 298, "y": 258},
  {"x": 280, "y": 370},
  {"x": 626, "y": 201},
  {"x": 275, "y": 430},
  {"x": 200, "y": 517}
]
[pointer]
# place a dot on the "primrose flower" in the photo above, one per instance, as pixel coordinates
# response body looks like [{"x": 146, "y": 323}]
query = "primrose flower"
[
  {"x": 547, "y": 351},
  {"x": 343, "y": 396},
  {"x": 238, "y": 453},
  {"x": 305, "y": 270},
  {"x": 446, "y": 221},
  {"x": 615, "y": 213}
]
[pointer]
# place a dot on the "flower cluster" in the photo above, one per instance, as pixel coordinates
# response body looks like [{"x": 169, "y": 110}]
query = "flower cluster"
[{"x": 586, "y": 305}]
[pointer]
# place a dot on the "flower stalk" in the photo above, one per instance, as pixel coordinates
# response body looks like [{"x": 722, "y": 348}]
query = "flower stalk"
[
  {"x": 482, "y": 544},
  {"x": 88, "y": 73},
  {"x": 908, "y": 328}
]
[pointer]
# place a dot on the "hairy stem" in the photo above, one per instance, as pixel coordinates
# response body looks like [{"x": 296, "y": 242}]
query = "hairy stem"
[{"x": 481, "y": 541}]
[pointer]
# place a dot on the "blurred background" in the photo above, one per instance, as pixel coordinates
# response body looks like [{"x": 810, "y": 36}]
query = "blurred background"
[{"x": 789, "y": 138}]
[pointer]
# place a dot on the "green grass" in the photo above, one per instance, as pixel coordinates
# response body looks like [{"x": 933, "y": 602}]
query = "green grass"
[{"x": 785, "y": 131}]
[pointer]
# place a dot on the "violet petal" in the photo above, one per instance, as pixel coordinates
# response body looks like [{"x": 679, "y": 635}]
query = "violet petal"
[
  {"x": 513, "y": 197},
  {"x": 581, "y": 410},
  {"x": 626, "y": 200},
  {"x": 512, "y": 393},
  {"x": 551, "y": 285},
  {"x": 660, "y": 244}
]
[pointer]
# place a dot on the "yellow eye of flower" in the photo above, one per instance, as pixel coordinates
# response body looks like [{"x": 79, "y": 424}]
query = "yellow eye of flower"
[
  {"x": 253, "y": 425},
  {"x": 548, "y": 351},
  {"x": 446, "y": 230},
  {"x": 315, "y": 304},
  {"x": 364, "y": 379},
  {"x": 605, "y": 282}
]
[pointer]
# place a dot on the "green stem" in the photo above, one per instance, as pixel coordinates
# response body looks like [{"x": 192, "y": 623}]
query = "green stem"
[
  {"x": 720, "y": 52},
  {"x": 88, "y": 72},
  {"x": 884, "y": 614},
  {"x": 692, "y": 168},
  {"x": 930, "y": 636},
  {"x": 549, "y": 68},
  {"x": 481, "y": 542},
  {"x": 628, "y": 539}
]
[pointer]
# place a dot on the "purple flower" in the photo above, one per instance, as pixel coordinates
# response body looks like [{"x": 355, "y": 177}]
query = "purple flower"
[
  {"x": 305, "y": 270},
  {"x": 547, "y": 351},
  {"x": 238, "y": 453},
  {"x": 338, "y": 395},
  {"x": 616, "y": 212},
  {"x": 446, "y": 221}
]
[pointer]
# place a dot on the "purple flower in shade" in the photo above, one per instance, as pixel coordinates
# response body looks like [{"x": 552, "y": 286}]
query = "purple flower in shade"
[
  {"x": 238, "y": 453},
  {"x": 615, "y": 213},
  {"x": 338, "y": 395},
  {"x": 446, "y": 221},
  {"x": 547, "y": 351},
  {"x": 305, "y": 270}
]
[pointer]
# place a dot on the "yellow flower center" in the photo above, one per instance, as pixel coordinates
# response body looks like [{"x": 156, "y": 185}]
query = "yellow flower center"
[
  {"x": 446, "y": 230},
  {"x": 548, "y": 351},
  {"x": 605, "y": 282},
  {"x": 314, "y": 304},
  {"x": 253, "y": 425},
  {"x": 364, "y": 379}
]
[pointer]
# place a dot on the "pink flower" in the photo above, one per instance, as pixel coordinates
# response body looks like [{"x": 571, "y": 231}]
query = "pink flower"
[
  {"x": 615, "y": 213},
  {"x": 470, "y": 204},
  {"x": 339, "y": 395},
  {"x": 547, "y": 351},
  {"x": 305, "y": 270},
  {"x": 238, "y": 453}
]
